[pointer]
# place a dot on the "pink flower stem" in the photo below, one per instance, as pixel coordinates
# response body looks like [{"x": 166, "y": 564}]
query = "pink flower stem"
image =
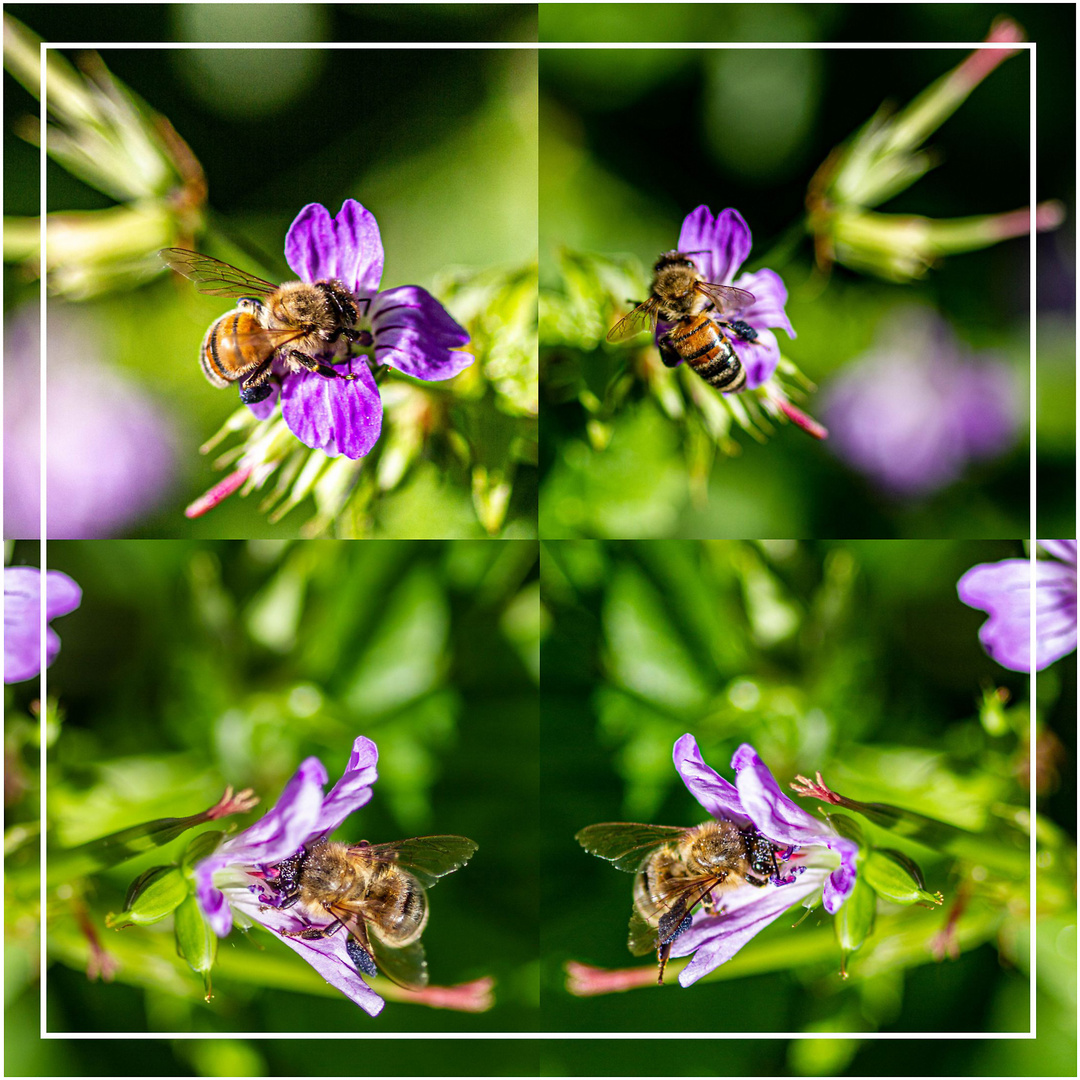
[
  {"x": 801, "y": 419},
  {"x": 475, "y": 996},
  {"x": 219, "y": 492},
  {"x": 582, "y": 980},
  {"x": 983, "y": 61}
]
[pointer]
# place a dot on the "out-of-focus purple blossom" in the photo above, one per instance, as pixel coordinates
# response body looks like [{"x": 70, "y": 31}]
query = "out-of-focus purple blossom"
[
  {"x": 718, "y": 247},
  {"x": 110, "y": 447},
  {"x": 814, "y": 848},
  {"x": 404, "y": 327},
  {"x": 231, "y": 883},
  {"x": 22, "y": 618},
  {"x": 914, "y": 412},
  {"x": 1003, "y": 589}
]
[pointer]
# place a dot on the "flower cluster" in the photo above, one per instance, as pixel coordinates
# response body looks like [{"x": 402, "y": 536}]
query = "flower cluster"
[
  {"x": 718, "y": 247},
  {"x": 885, "y": 157},
  {"x": 1003, "y": 589},
  {"x": 231, "y": 885},
  {"x": 915, "y": 412},
  {"x": 825, "y": 862},
  {"x": 404, "y": 327}
]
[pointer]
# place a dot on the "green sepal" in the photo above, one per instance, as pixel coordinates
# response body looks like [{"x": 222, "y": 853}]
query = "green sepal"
[
  {"x": 201, "y": 847},
  {"x": 196, "y": 942},
  {"x": 155, "y": 893},
  {"x": 117, "y": 847},
  {"x": 847, "y": 827},
  {"x": 896, "y": 878},
  {"x": 854, "y": 921}
]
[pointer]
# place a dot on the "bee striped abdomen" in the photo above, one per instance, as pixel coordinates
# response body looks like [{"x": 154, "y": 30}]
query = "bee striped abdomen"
[
  {"x": 699, "y": 341},
  {"x": 224, "y": 358}
]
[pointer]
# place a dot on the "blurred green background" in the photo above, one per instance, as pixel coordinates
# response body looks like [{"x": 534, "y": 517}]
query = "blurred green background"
[
  {"x": 439, "y": 144},
  {"x": 192, "y": 665},
  {"x": 632, "y": 140},
  {"x": 853, "y": 658}
]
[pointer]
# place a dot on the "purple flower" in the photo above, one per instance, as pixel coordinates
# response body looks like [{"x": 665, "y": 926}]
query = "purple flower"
[
  {"x": 756, "y": 799},
  {"x": 231, "y": 883},
  {"x": 404, "y": 327},
  {"x": 22, "y": 618},
  {"x": 111, "y": 451},
  {"x": 718, "y": 247},
  {"x": 914, "y": 412},
  {"x": 1004, "y": 590}
]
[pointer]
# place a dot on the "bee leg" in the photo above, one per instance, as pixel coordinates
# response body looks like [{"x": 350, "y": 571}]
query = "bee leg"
[
  {"x": 317, "y": 366},
  {"x": 662, "y": 954},
  {"x": 668, "y": 355},
  {"x": 361, "y": 957},
  {"x": 256, "y": 386}
]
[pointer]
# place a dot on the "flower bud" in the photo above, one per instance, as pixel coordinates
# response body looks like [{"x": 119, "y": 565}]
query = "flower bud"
[
  {"x": 895, "y": 877},
  {"x": 196, "y": 942},
  {"x": 854, "y": 922},
  {"x": 155, "y": 893}
]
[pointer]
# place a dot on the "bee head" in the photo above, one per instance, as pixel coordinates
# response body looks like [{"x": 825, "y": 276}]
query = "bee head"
[
  {"x": 672, "y": 259},
  {"x": 287, "y": 881},
  {"x": 760, "y": 854}
]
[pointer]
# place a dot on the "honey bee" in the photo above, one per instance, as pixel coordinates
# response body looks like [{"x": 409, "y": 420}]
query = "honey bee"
[
  {"x": 375, "y": 893},
  {"x": 295, "y": 322},
  {"x": 676, "y": 868},
  {"x": 699, "y": 312}
]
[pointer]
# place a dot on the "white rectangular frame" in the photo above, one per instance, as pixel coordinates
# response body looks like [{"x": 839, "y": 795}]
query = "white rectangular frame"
[{"x": 540, "y": 47}]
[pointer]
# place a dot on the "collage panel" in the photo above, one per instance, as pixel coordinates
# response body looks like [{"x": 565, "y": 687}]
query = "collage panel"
[
  {"x": 787, "y": 291},
  {"x": 794, "y": 771},
  {"x": 262, "y": 758},
  {"x": 278, "y": 307}
]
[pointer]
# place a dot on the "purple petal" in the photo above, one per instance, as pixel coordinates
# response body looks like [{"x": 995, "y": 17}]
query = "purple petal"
[
  {"x": 347, "y": 247},
  {"x": 770, "y": 297},
  {"x": 52, "y": 645},
  {"x": 414, "y": 333},
  {"x": 747, "y": 911},
  {"x": 718, "y": 247},
  {"x": 772, "y": 812},
  {"x": 215, "y": 907},
  {"x": 1003, "y": 590},
  {"x": 62, "y": 595},
  {"x": 328, "y": 957},
  {"x": 758, "y": 357},
  {"x": 1060, "y": 549},
  {"x": 841, "y": 881},
  {"x": 293, "y": 820},
  {"x": 22, "y": 623},
  {"x": 336, "y": 416},
  {"x": 22, "y": 618},
  {"x": 353, "y": 790},
  {"x": 715, "y": 794}
]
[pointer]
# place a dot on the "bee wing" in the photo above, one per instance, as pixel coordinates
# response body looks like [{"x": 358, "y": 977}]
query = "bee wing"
[
  {"x": 213, "y": 276},
  {"x": 728, "y": 299},
  {"x": 427, "y": 858},
  {"x": 643, "y": 317},
  {"x": 406, "y": 966},
  {"x": 262, "y": 343},
  {"x": 624, "y": 843},
  {"x": 643, "y": 937},
  {"x": 660, "y": 923}
]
